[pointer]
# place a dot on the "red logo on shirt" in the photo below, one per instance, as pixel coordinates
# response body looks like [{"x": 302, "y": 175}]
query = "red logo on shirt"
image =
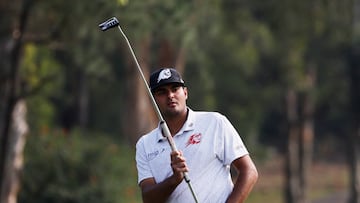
[{"x": 194, "y": 139}]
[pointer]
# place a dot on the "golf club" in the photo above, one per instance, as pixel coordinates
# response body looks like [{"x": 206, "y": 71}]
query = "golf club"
[{"x": 113, "y": 22}]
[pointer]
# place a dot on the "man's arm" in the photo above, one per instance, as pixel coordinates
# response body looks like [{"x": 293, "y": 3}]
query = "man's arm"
[
  {"x": 247, "y": 177},
  {"x": 160, "y": 192}
]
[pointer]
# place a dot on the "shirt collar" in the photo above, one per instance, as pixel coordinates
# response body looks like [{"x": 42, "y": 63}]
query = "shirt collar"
[{"x": 188, "y": 126}]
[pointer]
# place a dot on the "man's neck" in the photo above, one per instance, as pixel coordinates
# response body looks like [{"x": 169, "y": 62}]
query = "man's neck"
[{"x": 176, "y": 123}]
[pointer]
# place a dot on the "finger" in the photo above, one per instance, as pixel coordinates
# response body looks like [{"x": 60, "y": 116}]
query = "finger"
[
  {"x": 178, "y": 162},
  {"x": 175, "y": 155},
  {"x": 180, "y": 170}
]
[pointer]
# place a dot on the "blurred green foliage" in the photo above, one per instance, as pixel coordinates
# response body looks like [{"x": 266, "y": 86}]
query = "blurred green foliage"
[
  {"x": 40, "y": 67},
  {"x": 68, "y": 168}
]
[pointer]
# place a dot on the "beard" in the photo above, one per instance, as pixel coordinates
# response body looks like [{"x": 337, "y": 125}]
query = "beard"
[{"x": 174, "y": 112}]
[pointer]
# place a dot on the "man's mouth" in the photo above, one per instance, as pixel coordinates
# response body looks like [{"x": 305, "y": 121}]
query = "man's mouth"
[{"x": 172, "y": 104}]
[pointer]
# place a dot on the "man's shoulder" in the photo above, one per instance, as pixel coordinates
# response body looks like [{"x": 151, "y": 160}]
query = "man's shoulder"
[
  {"x": 208, "y": 115},
  {"x": 148, "y": 136}
]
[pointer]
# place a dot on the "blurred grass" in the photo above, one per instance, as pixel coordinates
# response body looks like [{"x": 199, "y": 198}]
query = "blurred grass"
[{"x": 325, "y": 180}]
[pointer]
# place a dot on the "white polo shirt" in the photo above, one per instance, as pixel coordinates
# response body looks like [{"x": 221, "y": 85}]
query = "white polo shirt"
[{"x": 209, "y": 144}]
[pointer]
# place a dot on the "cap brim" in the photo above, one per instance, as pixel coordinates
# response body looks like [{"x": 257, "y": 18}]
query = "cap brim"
[{"x": 167, "y": 83}]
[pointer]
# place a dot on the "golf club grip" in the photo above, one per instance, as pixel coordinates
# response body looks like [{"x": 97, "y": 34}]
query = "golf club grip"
[
  {"x": 186, "y": 177},
  {"x": 168, "y": 136}
]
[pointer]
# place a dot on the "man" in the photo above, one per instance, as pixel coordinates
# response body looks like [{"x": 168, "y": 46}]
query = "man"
[{"x": 207, "y": 145}]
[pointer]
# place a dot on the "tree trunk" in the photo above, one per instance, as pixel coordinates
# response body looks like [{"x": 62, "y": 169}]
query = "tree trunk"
[
  {"x": 181, "y": 60},
  {"x": 170, "y": 56},
  {"x": 14, "y": 155},
  {"x": 138, "y": 114},
  {"x": 292, "y": 154},
  {"x": 12, "y": 94},
  {"x": 83, "y": 101},
  {"x": 354, "y": 136},
  {"x": 354, "y": 165},
  {"x": 307, "y": 134}
]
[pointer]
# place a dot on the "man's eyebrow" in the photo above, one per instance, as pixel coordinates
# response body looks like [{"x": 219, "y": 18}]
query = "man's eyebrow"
[{"x": 159, "y": 89}]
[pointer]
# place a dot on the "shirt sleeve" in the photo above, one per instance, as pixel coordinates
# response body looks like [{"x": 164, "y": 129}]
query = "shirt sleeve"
[
  {"x": 229, "y": 144},
  {"x": 142, "y": 164}
]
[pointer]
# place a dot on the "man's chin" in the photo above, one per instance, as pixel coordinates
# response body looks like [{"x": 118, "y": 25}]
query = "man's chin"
[{"x": 172, "y": 113}]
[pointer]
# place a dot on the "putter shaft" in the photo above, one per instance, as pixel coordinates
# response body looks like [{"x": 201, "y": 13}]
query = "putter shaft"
[
  {"x": 163, "y": 124},
  {"x": 113, "y": 22}
]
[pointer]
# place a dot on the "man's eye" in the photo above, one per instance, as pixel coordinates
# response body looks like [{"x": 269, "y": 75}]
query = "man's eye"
[{"x": 160, "y": 92}]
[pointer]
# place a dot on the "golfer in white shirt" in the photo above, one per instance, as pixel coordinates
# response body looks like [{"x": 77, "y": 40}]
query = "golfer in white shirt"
[{"x": 207, "y": 145}]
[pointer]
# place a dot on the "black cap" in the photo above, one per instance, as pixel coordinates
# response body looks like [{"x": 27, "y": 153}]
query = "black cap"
[{"x": 165, "y": 76}]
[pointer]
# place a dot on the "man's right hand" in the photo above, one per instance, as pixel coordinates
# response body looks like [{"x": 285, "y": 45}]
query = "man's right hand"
[
  {"x": 178, "y": 166},
  {"x": 160, "y": 192}
]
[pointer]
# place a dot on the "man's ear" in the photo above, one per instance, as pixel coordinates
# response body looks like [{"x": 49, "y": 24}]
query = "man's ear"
[{"x": 185, "y": 92}]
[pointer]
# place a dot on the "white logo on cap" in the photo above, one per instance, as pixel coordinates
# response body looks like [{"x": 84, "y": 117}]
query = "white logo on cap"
[{"x": 164, "y": 74}]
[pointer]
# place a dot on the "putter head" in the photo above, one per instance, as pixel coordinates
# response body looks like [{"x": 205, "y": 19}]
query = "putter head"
[{"x": 112, "y": 22}]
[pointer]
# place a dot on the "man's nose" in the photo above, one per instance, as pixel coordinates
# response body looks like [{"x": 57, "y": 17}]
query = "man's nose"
[{"x": 171, "y": 94}]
